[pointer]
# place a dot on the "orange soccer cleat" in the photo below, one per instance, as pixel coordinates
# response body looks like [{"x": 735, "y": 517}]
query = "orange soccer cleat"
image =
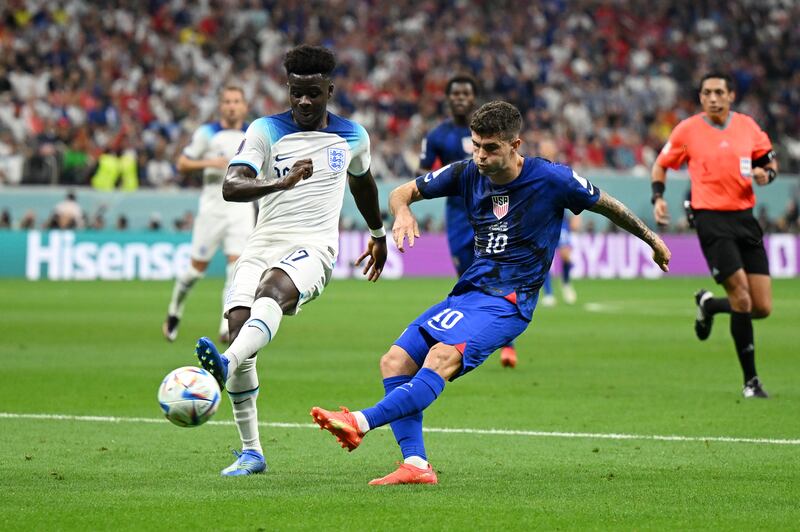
[
  {"x": 508, "y": 357},
  {"x": 407, "y": 474},
  {"x": 342, "y": 424}
]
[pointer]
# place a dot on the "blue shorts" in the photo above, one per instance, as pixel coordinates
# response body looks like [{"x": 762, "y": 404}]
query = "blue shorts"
[{"x": 477, "y": 324}]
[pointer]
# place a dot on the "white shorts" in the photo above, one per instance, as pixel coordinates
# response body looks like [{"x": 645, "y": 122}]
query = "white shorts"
[
  {"x": 229, "y": 226},
  {"x": 308, "y": 267}
]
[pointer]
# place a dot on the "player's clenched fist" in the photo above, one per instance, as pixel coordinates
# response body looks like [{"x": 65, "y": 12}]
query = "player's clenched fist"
[{"x": 302, "y": 169}]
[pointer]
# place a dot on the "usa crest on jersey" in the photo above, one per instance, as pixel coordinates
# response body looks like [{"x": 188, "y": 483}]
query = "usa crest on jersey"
[
  {"x": 500, "y": 206},
  {"x": 336, "y": 159}
]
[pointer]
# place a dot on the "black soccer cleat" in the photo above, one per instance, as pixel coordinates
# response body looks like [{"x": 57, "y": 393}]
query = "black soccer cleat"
[
  {"x": 753, "y": 388},
  {"x": 703, "y": 321},
  {"x": 170, "y": 328}
]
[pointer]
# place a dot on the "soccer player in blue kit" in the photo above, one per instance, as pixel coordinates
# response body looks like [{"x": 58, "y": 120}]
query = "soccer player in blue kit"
[
  {"x": 515, "y": 205},
  {"x": 447, "y": 143}
]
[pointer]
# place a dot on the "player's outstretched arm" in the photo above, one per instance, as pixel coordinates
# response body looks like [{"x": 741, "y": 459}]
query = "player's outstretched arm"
[
  {"x": 622, "y": 216},
  {"x": 241, "y": 184},
  {"x": 405, "y": 225},
  {"x": 365, "y": 193}
]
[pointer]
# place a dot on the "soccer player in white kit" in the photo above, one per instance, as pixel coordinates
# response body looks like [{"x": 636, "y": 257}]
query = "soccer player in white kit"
[
  {"x": 218, "y": 222},
  {"x": 296, "y": 164}
]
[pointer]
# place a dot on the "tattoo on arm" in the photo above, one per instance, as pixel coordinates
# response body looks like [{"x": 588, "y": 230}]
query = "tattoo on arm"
[{"x": 622, "y": 216}]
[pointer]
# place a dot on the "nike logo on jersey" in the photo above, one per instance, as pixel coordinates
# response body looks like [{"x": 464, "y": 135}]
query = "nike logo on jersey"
[
  {"x": 434, "y": 175},
  {"x": 279, "y": 158},
  {"x": 584, "y": 182}
]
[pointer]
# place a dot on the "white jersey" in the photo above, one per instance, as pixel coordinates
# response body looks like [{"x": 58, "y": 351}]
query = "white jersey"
[
  {"x": 309, "y": 212},
  {"x": 209, "y": 142}
]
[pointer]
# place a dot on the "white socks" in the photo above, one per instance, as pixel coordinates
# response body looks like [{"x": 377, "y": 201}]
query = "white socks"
[
  {"x": 242, "y": 389},
  {"x": 258, "y": 331},
  {"x": 363, "y": 424},
  {"x": 183, "y": 284},
  {"x": 417, "y": 461}
]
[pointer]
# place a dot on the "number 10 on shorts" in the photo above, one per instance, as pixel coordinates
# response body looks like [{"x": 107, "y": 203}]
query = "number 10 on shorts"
[{"x": 445, "y": 320}]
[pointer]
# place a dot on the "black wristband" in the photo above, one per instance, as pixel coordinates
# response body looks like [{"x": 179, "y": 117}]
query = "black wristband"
[
  {"x": 772, "y": 174},
  {"x": 658, "y": 188}
]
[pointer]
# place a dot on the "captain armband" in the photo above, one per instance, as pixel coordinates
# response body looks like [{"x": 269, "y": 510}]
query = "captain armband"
[{"x": 764, "y": 160}]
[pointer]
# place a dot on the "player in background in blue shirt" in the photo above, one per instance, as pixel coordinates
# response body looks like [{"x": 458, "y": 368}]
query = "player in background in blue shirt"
[
  {"x": 548, "y": 149},
  {"x": 447, "y": 143},
  {"x": 516, "y": 205}
]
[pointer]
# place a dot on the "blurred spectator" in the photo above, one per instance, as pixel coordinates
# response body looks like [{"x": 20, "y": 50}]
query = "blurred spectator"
[
  {"x": 609, "y": 79},
  {"x": 11, "y": 159},
  {"x": 159, "y": 171},
  {"x": 788, "y": 222},
  {"x": 5, "y": 219},
  {"x": 116, "y": 169},
  {"x": 122, "y": 223},
  {"x": 154, "y": 224},
  {"x": 767, "y": 225},
  {"x": 28, "y": 220},
  {"x": 67, "y": 214},
  {"x": 98, "y": 220},
  {"x": 185, "y": 222}
]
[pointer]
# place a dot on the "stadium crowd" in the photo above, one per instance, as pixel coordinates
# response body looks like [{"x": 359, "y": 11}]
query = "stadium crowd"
[{"x": 106, "y": 94}]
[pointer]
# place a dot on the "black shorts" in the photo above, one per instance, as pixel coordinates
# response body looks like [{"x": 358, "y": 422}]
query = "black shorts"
[{"x": 731, "y": 240}]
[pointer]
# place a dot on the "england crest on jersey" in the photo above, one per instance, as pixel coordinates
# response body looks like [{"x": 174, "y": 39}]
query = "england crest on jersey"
[
  {"x": 336, "y": 158},
  {"x": 500, "y": 206}
]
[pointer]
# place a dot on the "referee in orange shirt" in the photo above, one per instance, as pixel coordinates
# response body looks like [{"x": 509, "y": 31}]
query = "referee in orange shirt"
[{"x": 726, "y": 152}]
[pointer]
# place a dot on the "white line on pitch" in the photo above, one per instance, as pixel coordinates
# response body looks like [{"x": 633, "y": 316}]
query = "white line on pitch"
[{"x": 486, "y": 432}]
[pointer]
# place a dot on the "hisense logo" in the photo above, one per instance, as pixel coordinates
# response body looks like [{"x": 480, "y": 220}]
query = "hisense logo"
[{"x": 65, "y": 259}]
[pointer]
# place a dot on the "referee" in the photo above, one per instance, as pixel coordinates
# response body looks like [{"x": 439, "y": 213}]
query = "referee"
[{"x": 726, "y": 152}]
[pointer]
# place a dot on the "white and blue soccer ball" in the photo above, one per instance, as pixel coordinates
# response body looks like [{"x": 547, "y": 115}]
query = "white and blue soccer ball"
[{"x": 189, "y": 396}]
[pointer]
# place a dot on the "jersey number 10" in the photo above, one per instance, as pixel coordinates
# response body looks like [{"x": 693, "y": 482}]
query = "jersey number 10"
[{"x": 497, "y": 244}]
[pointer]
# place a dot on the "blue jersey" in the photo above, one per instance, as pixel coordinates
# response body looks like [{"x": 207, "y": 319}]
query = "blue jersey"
[
  {"x": 450, "y": 143},
  {"x": 517, "y": 225}
]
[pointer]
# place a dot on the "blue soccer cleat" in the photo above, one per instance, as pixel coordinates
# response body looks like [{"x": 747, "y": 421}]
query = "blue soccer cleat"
[
  {"x": 248, "y": 462},
  {"x": 212, "y": 361}
]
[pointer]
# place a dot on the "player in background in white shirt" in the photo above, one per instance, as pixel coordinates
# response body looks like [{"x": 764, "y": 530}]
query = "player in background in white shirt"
[
  {"x": 218, "y": 222},
  {"x": 296, "y": 164}
]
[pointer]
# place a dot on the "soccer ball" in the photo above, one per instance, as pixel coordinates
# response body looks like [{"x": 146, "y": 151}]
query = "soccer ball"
[{"x": 189, "y": 396}]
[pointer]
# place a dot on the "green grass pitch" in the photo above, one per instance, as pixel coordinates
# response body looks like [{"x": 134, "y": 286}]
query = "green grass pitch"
[{"x": 624, "y": 360}]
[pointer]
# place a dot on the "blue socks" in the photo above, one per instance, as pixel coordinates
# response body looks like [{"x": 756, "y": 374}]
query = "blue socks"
[
  {"x": 405, "y": 399},
  {"x": 408, "y": 430},
  {"x": 566, "y": 268}
]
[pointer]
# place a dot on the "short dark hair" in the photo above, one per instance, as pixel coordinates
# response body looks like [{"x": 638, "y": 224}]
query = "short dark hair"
[
  {"x": 497, "y": 118},
  {"x": 718, "y": 75},
  {"x": 306, "y": 60},
  {"x": 461, "y": 78}
]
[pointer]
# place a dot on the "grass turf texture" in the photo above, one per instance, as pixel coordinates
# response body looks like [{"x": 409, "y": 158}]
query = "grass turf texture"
[{"x": 631, "y": 364}]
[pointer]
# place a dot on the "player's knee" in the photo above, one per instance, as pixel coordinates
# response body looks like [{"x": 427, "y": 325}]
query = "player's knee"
[
  {"x": 762, "y": 309},
  {"x": 740, "y": 300},
  {"x": 396, "y": 362},
  {"x": 443, "y": 359}
]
